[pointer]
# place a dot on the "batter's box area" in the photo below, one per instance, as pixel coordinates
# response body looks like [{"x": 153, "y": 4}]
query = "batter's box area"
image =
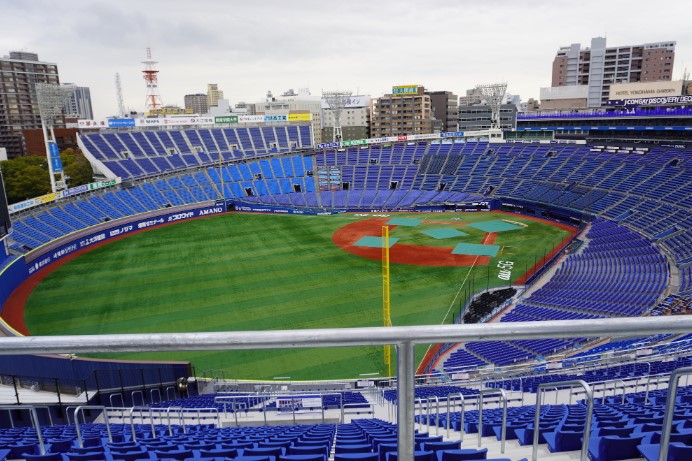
[
  {"x": 374, "y": 242},
  {"x": 476, "y": 249}
]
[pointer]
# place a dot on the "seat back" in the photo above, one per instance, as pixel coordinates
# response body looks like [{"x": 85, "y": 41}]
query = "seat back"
[
  {"x": 678, "y": 451},
  {"x": 463, "y": 454},
  {"x": 363, "y": 456}
]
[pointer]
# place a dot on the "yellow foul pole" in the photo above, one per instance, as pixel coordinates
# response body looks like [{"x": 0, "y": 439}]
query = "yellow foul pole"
[{"x": 386, "y": 306}]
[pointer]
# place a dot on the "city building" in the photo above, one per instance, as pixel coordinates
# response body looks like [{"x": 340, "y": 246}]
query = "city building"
[
  {"x": 291, "y": 102},
  {"x": 355, "y": 119},
  {"x": 213, "y": 94},
  {"x": 445, "y": 107},
  {"x": 19, "y": 73},
  {"x": 34, "y": 142},
  {"x": 407, "y": 110},
  {"x": 197, "y": 103},
  {"x": 475, "y": 114},
  {"x": 79, "y": 104},
  {"x": 600, "y": 66},
  {"x": 573, "y": 97}
]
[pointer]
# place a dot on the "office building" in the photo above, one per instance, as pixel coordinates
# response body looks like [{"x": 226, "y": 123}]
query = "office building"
[
  {"x": 197, "y": 103},
  {"x": 445, "y": 109},
  {"x": 79, "y": 103},
  {"x": 213, "y": 94}
]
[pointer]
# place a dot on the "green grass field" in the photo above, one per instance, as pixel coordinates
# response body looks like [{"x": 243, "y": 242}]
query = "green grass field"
[{"x": 259, "y": 272}]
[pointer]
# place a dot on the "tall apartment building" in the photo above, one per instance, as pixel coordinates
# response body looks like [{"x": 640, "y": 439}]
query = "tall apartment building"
[
  {"x": 213, "y": 94},
  {"x": 19, "y": 74},
  {"x": 197, "y": 103},
  {"x": 445, "y": 109},
  {"x": 407, "y": 110},
  {"x": 79, "y": 103},
  {"x": 599, "y": 66}
]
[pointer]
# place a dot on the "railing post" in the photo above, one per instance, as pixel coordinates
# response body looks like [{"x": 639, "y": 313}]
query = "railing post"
[
  {"x": 589, "y": 413},
  {"x": 98, "y": 387},
  {"x": 670, "y": 409},
  {"x": 405, "y": 400},
  {"x": 419, "y": 404},
  {"x": 437, "y": 416},
  {"x": 448, "y": 417},
  {"x": 16, "y": 390},
  {"x": 462, "y": 430},
  {"x": 91, "y": 407},
  {"x": 503, "y": 397}
]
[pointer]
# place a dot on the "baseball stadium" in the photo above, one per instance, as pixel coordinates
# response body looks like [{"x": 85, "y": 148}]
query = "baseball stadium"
[{"x": 237, "y": 291}]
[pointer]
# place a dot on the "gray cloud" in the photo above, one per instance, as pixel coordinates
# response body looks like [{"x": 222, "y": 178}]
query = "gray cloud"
[{"x": 251, "y": 47}]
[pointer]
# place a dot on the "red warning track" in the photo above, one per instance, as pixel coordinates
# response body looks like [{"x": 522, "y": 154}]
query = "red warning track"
[{"x": 401, "y": 253}]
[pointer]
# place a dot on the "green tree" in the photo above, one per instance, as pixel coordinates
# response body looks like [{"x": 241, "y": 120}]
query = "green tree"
[
  {"x": 25, "y": 177},
  {"x": 76, "y": 167}
]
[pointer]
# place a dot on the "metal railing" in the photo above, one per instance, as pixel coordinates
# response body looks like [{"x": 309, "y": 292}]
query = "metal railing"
[
  {"x": 587, "y": 425},
  {"x": 81, "y": 408},
  {"x": 34, "y": 422},
  {"x": 503, "y": 399},
  {"x": 404, "y": 338},
  {"x": 670, "y": 409}
]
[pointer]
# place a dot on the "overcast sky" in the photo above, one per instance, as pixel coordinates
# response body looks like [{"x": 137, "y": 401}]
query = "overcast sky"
[{"x": 366, "y": 46}]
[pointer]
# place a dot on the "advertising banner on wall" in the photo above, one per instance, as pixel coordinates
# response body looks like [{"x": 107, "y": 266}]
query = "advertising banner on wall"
[
  {"x": 191, "y": 120},
  {"x": 226, "y": 119},
  {"x": 92, "y": 123},
  {"x": 120, "y": 122},
  {"x": 117, "y": 230},
  {"x": 662, "y": 100},
  {"x": 299, "y": 117},
  {"x": 352, "y": 102},
  {"x": 276, "y": 118},
  {"x": 620, "y": 91},
  {"x": 54, "y": 157},
  {"x": 405, "y": 89},
  {"x": 26, "y": 204},
  {"x": 251, "y": 119}
]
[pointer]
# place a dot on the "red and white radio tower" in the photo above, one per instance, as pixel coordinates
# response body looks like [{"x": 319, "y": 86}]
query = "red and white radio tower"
[{"x": 150, "y": 76}]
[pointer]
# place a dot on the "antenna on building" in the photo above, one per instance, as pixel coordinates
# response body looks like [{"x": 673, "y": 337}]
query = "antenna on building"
[
  {"x": 153, "y": 101},
  {"x": 337, "y": 100},
  {"x": 119, "y": 95}
]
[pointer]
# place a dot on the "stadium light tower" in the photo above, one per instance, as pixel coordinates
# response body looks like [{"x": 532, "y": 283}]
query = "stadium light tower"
[
  {"x": 153, "y": 101},
  {"x": 337, "y": 100},
  {"x": 493, "y": 94},
  {"x": 51, "y": 100}
]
